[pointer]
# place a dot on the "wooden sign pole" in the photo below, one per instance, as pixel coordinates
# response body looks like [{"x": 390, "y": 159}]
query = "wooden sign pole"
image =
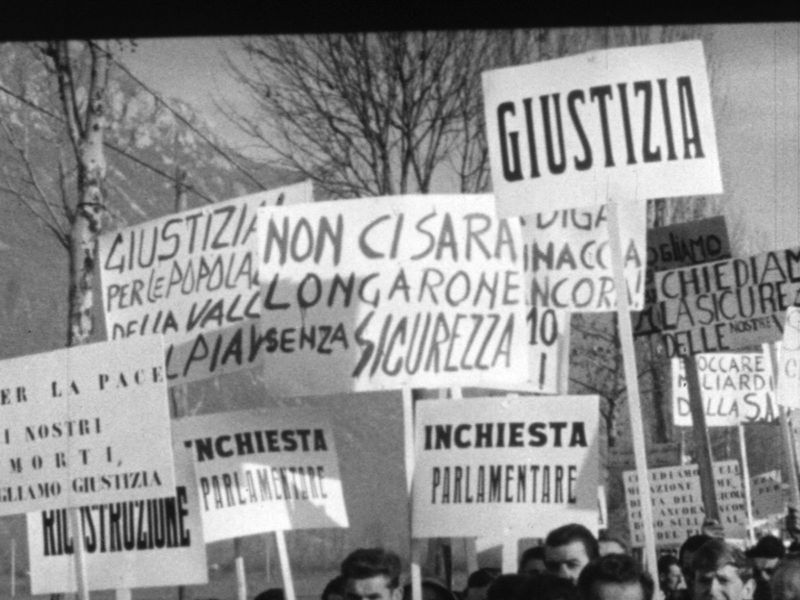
[
  {"x": 748, "y": 502},
  {"x": 786, "y": 432},
  {"x": 13, "y": 567},
  {"x": 80, "y": 553},
  {"x": 238, "y": 561},
  {"x": 286, "y": 569},
  {"x": 632, "y": 387},
  {"x": 408, "y": 453}
]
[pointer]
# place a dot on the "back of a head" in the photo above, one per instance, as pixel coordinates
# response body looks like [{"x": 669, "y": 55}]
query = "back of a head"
[
  {"x": 335, "y": 587},
  {"x": 610, "y": 544},
  {"x": 546, "y": 586},
  {"x": 482, "y": 577},
  {"x": 506, "y": 586},
  {"x": 692, "y": 544},
  {"x": 665, "y": 561},
  {"x": 365, "y": 563},
  {"x": 717, "y": 553},
  {"x": 619, "y": 569},
  {"x": 531, "y": 554},
  {"x": 271, "y": 594},
  {"x": 785, "y": 581},
  {"x": 573, "y": 532}
]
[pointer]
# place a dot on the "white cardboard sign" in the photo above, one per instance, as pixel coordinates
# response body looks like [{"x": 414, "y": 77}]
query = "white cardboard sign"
[
  {"x": 769, "y": 494},
  {"x": 629, "y": 123},
  {"x": 678, "y": 504},
  {"x": 567, "y": 259},
  {"x": 789, "y": 360},
  {"x": 548, "y": 349},
  {"x": 131, "y": 544},
  {"x": 381, "y": 293},
  {"x": 514, "y": 465},
  {"x": 65, "y": 435},
  {"x": 193, "y": 278},
  {"x": 260, "y": 471},
  {"x": 736, "y": 387},
  {"x": 728, "y": 304}
]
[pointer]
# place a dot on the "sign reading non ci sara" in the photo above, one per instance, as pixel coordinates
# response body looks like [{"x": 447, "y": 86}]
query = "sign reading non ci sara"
[
  {"x": 263, "y": 471},
  {"x": 66, "y": 438},
  {"x": 629, "y": 123},
  {"x": 381, "y": 293},
  {"x": 514, "y": 465},
  {"x": 193, "y": 278},
  {"x": 127, "y": 544}
]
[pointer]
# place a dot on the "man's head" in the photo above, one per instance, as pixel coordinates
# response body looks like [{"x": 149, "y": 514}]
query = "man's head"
[
  {"x": 478, "y": 582},
  {"x": 721, "y": 572},
  {"x": 686, "y": 553},
  {"x": 785, "y": 581},
  {"x": 765, "y": 556},
  {"x": 532, "y": 561},
  {"x": 568, "y": 549},
  {"x": 609, "y": 544},
  {"x": 371, "y": 574},
  {"x": 670, "y": 577},
  {"x": 334, "y": 589},
  {"x": 615, "y": 577}
]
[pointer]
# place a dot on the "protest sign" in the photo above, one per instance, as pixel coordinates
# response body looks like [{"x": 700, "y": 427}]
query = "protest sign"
[
  {"x": 515, "y": 465},
  {"x": 381, "y": 293},
  {"x": 769, "y": 494},
  {"x": 728, "y": 304},
  {"x": 789, "y": 360},
  {"x": 128, "y": 544},
  {"x": 678, "y": 506},
  {"x": 65, "y": 434},
  {"x": 678, "y": 245},
  {"x": 263, "y": 471},
  {"x": 567, "y": 258},
  {"x": 736, "y": 388},
  {"x": 193, "y": 278},
  {"x": 548, "y": 345},
  {"x": 629, "y": 123}
]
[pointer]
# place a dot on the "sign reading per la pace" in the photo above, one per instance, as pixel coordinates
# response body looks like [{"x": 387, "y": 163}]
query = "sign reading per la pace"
[
  {"x": 264, "y": 471},
  {"x": 728, "y": 304},
  {"x": 532, "y": 464},
  {"x": 193, "y": 278},
  {"x": 66, "y": 438},
  {"x": 629, "y": 123},
  {"x": 381, "y": 293},
  {"x": 126, "y": 543}
]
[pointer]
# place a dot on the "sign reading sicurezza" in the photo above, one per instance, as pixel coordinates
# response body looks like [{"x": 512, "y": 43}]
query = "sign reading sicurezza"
[
  {"x": 381, "y": 293},
  {"x": 84, "y": 425},
  {"x": 629, "y": 123}
]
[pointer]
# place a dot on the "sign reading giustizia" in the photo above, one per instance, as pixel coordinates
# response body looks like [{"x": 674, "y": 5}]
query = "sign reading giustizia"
[
  {"x": 382, "y": 293},
  {"x": 630, "y": 123}
]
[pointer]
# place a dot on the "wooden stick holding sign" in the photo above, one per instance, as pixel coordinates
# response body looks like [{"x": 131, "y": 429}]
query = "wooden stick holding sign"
[
  {"x": 748, "y": 503},
  {"x": 632, "y": 387},
  {"x": 408, "y": 454},
  {"x": 80, "y": 553},
  {"x": 786, "y": 432},
  {"x": 286, "y": 569}
]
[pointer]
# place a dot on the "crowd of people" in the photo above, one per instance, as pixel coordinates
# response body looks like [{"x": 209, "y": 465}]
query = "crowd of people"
[{"x": 573, "y": 564}]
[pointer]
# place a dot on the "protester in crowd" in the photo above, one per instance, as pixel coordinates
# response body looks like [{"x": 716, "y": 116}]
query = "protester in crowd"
[
  {"x": 507, "y": 586},
  {"x": 568, "y": 549},
  {"x": 615, "y": 577},
  {"x": 432, "y": 589},
  {"x": 785, "y": 581},
  {"x": 271, "y": 594},
  {"x": 334, "y": 589},
  {"x": 722, "y": 572},
  {"x": 372, "y": 574},
  {"x": 685, "y": 555},
  {"x": 765, "y": 556},
  {"x": 610, "y": 544},
  {"x": 712, "y": 528},
  {"x": 670, "y": 577},
  {"x": 478, "y": 582},
  {"x": 532, "y": 561},
  {"x": 546, "y": 586}
]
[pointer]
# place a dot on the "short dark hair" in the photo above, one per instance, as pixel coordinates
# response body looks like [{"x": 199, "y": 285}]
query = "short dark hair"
[
  {"x": 505, "y": 586},
  {"x": 665, "y": 561},
  {"x": 546, "y": 586},
  {"x": 692, "y": 544},
  {"x": 605, "y": 536},
  {"x": 534, "y": 553},
  {"x": 364, "y": 563},
  {"x": 614, "y": 568},
  {"x": 334, "y": 586},
  {"x": 717, "y": 553},
  {"x": 271, "y": 594},
  {"x": 573, "y": 532}
]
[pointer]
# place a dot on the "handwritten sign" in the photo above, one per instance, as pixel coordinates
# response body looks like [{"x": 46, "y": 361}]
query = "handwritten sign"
[
  {"x": 381, "y": 293},
  {"x": 789, "y": 360},
  {"x": 548, "y": 347},
  {"x": 769, "y": 494},
  {"x": 630, "y": 122},
  {"x": 678, "y": 506},
  {"x": 567, "y": 258},
  {"x": 514, "y": 465},
  {"x": 736, "y": 387},
  {"x": 127, "y": 544},
  {"x": 264, "y": 471},
  {"x": 728, "y": 304},
  {"x": 674, "y": 246},
  {"x": 65, "y": 435},
  {"x": 193, "y": 278}
]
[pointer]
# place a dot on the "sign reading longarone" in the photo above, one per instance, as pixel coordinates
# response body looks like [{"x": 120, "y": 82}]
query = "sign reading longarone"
[
  {"x": 127, "y": 544},
  {"x": 193, "y": 278},
  {"x": 264, "y": 471},
  {"x": 515, "y": 465},
  {"x": 629, "y": 123},
  {"x": 381, "y": 293},
  {"x": 567, "y": 259},
  {"x": 678, "y": 505},
  {"x": 66, "y": 438},
  {"x": 736, "y": 387},
  {"x": 728, "y": 304}
]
